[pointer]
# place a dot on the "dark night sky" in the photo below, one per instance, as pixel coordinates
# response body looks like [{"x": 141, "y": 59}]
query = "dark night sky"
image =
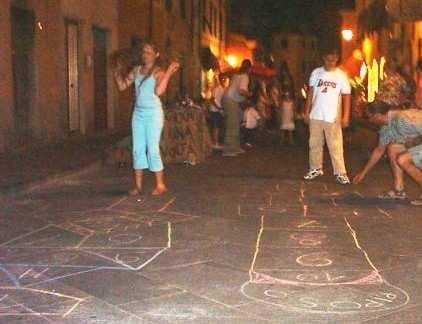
[{"x": 260, "y": 18}]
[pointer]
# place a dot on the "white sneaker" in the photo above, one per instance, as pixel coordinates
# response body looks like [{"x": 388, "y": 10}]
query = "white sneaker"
[
  {"x": 342, "y": 179},
  {"x": 312, "y": 174}
]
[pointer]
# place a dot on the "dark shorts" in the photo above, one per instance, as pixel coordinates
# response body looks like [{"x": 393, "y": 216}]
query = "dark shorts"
[{"x": 216, "y": 120}]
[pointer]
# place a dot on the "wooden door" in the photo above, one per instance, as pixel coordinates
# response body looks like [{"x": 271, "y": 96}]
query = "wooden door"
[
  {"x": 100, "y": 78},
  {"x": 22, "y": 28},
  {"x": 72, "y": 75}
]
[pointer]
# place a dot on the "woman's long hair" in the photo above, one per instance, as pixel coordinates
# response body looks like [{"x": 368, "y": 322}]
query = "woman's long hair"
[
  {"x": 245, "y": 67},
  {"x": 157, "y": 62},
  {"x": 123, "y": 61}
]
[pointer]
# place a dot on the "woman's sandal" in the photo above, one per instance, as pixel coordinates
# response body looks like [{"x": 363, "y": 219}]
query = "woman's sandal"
[
  {"x": 393, "y": 195},
  {"x": 134, "y": 192},
  {"x": 417, "y": 201},
  {"x": 159, "y": 191}
]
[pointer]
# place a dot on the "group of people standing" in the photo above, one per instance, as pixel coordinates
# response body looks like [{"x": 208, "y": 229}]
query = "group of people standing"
[
  {"x": 247, "y": 103},
  {"x": 326, "y": 111}
]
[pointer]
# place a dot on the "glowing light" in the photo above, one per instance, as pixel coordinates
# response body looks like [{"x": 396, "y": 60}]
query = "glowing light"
[
  {"x": 363, "y": 71},
  {"x": 357, "y": 55},
  {"x": 373, "y": 78},
  {"x": 374, "y": 73},
  {"x": 232, "y": 60},
  {"x": 210, "y": 76},
  {"x": 367, "y": 48},
  {"x": 347, "y": 34},
  {"x": 40, "y": 26},
  {"x": 382, "y": 64},
  {"x": 303, "y": 91}
]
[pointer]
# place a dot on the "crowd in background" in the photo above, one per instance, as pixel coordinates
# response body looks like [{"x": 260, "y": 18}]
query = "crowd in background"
[
  {"x": 261, "y": 103},
  {"x": 251, "y": 102},
  {"x": 245, "y": 102},
  {"x": 274, "y": 105}
]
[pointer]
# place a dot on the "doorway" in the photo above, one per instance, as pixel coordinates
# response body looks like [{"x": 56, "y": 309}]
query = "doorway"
[
  {"x": 72, "y": 48},
  {"x": 100, "y": 78},
  {"x": 23, "y": 32}
]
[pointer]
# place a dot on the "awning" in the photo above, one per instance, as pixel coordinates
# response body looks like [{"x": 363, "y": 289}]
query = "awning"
[{"x": 405, "y": 10}]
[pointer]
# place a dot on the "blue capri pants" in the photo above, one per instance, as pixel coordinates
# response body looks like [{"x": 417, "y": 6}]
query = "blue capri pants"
[{"x": 147, "y": 126}]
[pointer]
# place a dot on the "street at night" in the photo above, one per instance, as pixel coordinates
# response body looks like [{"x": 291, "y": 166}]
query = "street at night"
[
  {"x": 241, "y": 240},
  {"x": 211, "y": 161}
]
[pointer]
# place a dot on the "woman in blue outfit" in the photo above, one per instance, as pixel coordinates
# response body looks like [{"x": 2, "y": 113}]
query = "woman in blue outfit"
[{"x": 147, "y": 119}]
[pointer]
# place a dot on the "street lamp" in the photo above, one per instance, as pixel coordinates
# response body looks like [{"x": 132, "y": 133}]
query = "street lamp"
[
  {"x": 347, "y": 34},
  {"x": 232, "y": 60}
]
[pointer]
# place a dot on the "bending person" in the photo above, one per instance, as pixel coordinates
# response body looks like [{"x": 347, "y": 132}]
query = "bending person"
[
  {"x": 399, "y": 127},
  {"x": 147, "y": 118}
]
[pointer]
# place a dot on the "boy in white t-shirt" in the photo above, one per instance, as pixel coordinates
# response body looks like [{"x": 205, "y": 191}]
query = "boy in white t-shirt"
[{"x": 329, "y": 90}]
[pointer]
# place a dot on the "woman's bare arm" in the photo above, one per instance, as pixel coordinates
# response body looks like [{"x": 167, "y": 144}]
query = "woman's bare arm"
[
  {"x": 163, "y": 78},
  {"x": 376, "y": 155},
  {"x": 124, "y": 83}
]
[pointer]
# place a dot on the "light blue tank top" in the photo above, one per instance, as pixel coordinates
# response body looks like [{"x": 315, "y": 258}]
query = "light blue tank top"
[{"x": 146, "y": 98}]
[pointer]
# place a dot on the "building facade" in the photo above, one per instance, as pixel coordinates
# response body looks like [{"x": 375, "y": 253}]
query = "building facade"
[
  {"x": 55, "y": 78},
  {"x": 402, "y": 44},
  {"x": 299, "y": 52},
  {"x": 171, "y": 26}
]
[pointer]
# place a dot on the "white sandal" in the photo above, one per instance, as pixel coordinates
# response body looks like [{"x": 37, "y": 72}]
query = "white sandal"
[{"x": 417, "y": 201}]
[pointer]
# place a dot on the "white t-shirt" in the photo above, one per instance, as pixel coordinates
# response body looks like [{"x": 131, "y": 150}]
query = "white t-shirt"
[
  {"x": 237, "y": 83},
  {"x": 327, "y": 88},
  {"x": 251, "y": 117},
  {"x": 217, "y": 94}
]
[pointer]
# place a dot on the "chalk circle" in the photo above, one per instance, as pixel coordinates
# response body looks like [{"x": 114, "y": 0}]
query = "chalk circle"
[
  {"x": 129, "y": 258},
  {"x": 358, "y": 299},
  {"x": 316, "y": 259},
  {"x": 312, "y": 277},
  {"x": 274, "y": 293},
  {"x": 309, "y": 242},
  {"x": 308, "y": 236},
  {"x": 125, "y": 238},
  {"x": 308, "y": 239},
  {"x": 346, "y": 305}
]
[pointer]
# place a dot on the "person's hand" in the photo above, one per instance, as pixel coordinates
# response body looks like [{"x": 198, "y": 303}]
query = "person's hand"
[
  {"x": 173, "y": 67},
  {"x": 358, "y": 178}
]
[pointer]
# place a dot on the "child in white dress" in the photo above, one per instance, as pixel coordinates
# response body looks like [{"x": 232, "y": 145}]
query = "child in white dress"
[{"x": 287, "y": 122}]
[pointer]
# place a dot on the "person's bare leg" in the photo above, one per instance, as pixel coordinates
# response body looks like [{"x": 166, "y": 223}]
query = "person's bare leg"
[
  {"x": 406, "y": 163},
  {"x": 282, "y": 136},
  {"x": 290, "y": 135},
  {"x": 394, "y": 150},
  {"x": 137, "y": 179},
  {"x": 215, "y": 136},
  {"x": 160, "y": 186}
]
